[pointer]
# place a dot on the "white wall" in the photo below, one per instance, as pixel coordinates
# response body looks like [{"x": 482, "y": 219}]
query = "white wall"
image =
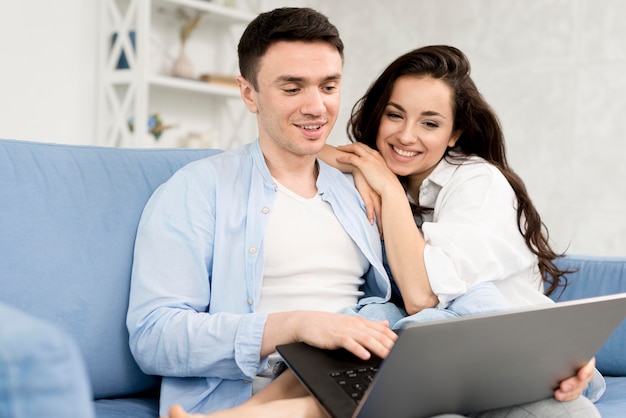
[
  {"x": 552, "y": 69},
  {"x": 48, "y": 70}
]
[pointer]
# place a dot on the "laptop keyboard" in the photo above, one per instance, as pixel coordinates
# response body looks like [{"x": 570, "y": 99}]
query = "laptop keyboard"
[{"x": 355, "y": 381}]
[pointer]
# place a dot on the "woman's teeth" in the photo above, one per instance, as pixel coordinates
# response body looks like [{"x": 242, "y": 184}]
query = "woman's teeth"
[{"x": 404, "y": 153}]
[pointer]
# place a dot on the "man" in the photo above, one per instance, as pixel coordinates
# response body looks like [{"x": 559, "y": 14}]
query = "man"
[{"x": 262, "y": 245}]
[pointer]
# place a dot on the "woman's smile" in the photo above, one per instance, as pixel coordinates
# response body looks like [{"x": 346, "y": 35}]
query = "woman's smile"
[{"x": 404, "y": 153}]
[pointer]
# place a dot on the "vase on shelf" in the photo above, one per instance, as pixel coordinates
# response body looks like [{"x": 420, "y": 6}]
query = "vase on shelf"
[{"x": 182, "y": 66}]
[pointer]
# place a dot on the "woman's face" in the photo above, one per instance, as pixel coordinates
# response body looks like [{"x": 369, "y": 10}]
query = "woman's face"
[{"x": 416, "y": 126}]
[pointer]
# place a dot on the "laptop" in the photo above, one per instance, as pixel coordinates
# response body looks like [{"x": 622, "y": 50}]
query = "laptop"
[{"x": 462, "y": 365}]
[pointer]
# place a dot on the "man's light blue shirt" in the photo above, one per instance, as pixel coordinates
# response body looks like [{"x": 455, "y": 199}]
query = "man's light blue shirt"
[{"x": 198, "y": 271}]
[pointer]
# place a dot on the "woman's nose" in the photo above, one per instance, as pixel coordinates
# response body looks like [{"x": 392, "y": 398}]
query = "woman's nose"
[{"x": 408, "y": 135}]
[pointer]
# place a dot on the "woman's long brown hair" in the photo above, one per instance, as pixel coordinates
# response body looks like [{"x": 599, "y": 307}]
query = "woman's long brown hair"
[{"x": 481, "y": 135}]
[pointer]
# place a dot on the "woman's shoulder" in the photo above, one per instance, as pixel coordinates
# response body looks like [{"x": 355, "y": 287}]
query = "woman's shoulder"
[
  {"x": 474, "y": 163},
  {"x": 476, "y": 173},
  {"x": 470, "y": 166}
]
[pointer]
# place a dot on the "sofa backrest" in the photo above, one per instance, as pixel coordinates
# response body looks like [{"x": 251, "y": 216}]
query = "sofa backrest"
[
  {"x": 598, "y": 276},
  {"x": 68, "y": 216}
]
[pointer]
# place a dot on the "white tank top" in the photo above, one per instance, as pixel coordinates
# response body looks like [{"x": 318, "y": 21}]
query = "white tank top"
[{"x": 311, "y": 263}]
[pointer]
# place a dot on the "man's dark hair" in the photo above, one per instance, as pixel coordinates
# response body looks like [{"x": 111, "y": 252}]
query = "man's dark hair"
[{"x": 283, "y": 24}]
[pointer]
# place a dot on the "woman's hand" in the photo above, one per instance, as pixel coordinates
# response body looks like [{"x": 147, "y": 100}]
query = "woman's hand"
[
  {"x": 371, "y": 164},
  {"x": 372, "y": 201},
  {"x": 404, "y": 243},
  {"x": 332, "y": 156},
  {"x": 372, "y": 177},
  {"x": 574, "y": 386}
]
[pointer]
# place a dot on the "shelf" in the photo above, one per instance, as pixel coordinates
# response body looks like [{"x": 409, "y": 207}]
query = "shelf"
[
  {"x": 225, "y": 14},
  {"x": 194, "y": 86},
  {"x": 134, "y": 91}
]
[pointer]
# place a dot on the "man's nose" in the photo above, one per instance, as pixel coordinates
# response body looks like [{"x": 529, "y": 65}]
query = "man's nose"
[{"x": 313, "y": 103}]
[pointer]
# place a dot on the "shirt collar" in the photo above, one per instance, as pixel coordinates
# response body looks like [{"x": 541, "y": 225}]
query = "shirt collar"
[
  {"x": 436, "y": 180},
  {"x": 324, "y": 179},
  {"x": 442, "y": 173},
  {"x": 439, "y": 178},
  {"x": 259, "y": 162}
]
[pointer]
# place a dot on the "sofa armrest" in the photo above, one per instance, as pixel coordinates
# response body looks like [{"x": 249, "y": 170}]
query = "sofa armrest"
[
  {"x": 42, "y": 373},
  {"x": 594, "y": 276},
  {"x": 598, "y": 276}
]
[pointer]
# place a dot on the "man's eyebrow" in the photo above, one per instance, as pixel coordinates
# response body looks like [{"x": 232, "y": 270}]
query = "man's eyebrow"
[
  {"x": 333, "y": 77},
  {"x": 296, "y": 79}
]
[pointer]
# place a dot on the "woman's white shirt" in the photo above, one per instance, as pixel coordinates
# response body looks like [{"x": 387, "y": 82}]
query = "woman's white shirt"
[{"x": 472, "y": 234}]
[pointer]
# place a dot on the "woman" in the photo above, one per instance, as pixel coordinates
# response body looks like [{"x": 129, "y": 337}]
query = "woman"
[
  {"x": 453, "y": 213},
  {"x": 456, "y": 221},
  {"x": 424, "y": 132}
]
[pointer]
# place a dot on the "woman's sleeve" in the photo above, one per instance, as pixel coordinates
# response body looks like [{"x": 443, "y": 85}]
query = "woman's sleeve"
[{"x": 474, "y": 235}]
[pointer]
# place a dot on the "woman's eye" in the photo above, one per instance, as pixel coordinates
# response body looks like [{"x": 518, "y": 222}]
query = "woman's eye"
[
  {"x": 393, "y": 115},
  {"x": 431, "y": 124}
]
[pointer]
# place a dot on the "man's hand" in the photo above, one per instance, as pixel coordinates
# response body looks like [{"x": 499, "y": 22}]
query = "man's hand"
[
  {"x": 574, "y": 386},
  {"x": 357, "y": 335},
  {"x": 330, "y": 331}
]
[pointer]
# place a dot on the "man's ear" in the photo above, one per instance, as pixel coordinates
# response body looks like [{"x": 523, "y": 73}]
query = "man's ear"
[{"x": 248, "y": 94}]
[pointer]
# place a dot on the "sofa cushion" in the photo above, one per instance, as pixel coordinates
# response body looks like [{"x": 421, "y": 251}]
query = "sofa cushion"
[
  {"x": 68, "y": 217},
  {"x": 598, "y": 276},
  {"x": 42, "y": 373},
  {"x": 136, "y": 407}
]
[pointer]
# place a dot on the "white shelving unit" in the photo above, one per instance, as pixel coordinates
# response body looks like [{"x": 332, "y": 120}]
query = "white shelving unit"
[{"x": 146, "y": 34}]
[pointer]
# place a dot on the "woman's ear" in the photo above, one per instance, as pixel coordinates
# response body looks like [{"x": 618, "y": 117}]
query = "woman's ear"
[
  {"x": 248, "y": 94},
  {"x": 453, "y": 138}
]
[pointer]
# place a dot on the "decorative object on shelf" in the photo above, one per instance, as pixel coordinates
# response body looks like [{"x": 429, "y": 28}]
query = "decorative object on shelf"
[
  {"x": 222, "y": 79},
  {"x": 156, "y": 127},
  {"x": 183, "y": 66},
  {"x": 198, "y": 140}
]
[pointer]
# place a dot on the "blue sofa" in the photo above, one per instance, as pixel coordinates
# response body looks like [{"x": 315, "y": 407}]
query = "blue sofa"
[{"x": 68, "y": 216}]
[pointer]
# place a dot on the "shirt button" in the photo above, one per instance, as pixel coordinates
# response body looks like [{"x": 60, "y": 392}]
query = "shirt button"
[
  {"x": 252, "y": 250},
  {"x": 247, "y": 382},
  {"x": 265, "y": 211}
]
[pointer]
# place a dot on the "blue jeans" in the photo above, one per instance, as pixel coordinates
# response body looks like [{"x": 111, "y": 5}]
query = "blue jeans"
[{"x": 480, "y": 299}]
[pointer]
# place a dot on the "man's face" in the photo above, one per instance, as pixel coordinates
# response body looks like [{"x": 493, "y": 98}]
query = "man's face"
[{"x": 298, "y": 96}]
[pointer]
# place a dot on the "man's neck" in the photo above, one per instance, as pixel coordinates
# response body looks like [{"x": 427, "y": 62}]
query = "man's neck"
[{"x": 298, "y": 174}]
